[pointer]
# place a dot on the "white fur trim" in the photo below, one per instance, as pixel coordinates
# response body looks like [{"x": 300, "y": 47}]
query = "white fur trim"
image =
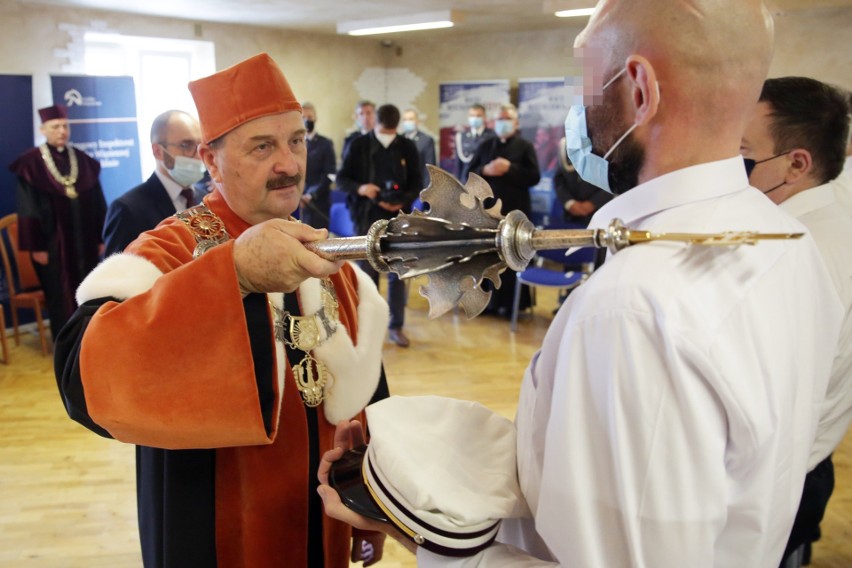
[
  {"x": 356, "y": 369},
  {"x": 120, "y": 276},
  {"x": 277, "y": 299}
]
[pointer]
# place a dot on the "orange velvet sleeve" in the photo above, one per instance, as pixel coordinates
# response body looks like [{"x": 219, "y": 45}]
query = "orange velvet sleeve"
[{"x": 172, "y": 367}]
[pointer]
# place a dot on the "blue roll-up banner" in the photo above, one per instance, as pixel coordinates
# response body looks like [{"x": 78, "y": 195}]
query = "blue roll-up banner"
[
  {"x": 455, "y": 100},
  {"x": 16, "y": 137},
  {"x": 102, "y": 114},
  {"x": 543, "y": 104},
  {"x": 16, "y": 132}
]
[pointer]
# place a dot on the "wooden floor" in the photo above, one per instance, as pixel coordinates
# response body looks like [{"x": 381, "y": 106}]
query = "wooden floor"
[{"x": 67, "y": 497}]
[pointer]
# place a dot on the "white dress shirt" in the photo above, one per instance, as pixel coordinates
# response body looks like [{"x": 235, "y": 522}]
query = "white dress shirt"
[
  {"x": 830, "y": 225},
  {"x": 843, "y": 185},
  {"x": 668, "y": 417}
]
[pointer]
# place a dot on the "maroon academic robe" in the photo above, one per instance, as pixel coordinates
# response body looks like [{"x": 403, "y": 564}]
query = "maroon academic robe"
[{"x": 69, "y": 230}]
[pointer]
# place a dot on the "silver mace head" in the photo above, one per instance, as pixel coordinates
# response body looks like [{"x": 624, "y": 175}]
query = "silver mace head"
[{"x": 458, "y": 243}]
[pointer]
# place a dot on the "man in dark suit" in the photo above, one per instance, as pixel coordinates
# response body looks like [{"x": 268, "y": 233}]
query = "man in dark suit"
[
  {"x": 316, "y": 200},
  {"x": 365, "y": 121},
  {"x": 175, "y": 136},
  {"x": 381, "y": 176},
  {"x": 509, "y": 164},
  {"x": 579, "y": 198},
  {"x": 425, "y": 143}
]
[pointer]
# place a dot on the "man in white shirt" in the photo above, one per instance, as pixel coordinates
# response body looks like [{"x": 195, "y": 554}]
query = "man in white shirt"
[
  {"x": 795, "y": 145},
  {"x": 668, "y": 417}
]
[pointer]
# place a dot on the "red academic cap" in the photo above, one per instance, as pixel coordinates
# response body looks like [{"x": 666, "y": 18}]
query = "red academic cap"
[
  {"x": 251, "y": 89},
  {"x": 53, "y": 112}
]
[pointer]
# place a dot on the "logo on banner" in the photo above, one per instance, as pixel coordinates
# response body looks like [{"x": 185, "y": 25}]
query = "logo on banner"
[{"x": 74, "y": 97}]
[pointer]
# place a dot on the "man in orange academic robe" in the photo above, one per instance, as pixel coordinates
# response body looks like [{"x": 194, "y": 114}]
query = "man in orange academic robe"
[{"x": 227, "y": 351}]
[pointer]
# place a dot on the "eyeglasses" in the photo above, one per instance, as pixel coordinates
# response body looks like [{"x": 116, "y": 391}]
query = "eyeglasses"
[
  {"x": 750, "y": 164},
  {"x": 186, "y": 147}
]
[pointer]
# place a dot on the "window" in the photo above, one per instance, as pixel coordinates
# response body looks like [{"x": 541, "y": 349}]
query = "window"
[{"x": 160, "y": 68}]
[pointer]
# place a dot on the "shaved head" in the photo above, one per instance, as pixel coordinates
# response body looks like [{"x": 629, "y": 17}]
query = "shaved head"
[{"x": 706, "y": 59}]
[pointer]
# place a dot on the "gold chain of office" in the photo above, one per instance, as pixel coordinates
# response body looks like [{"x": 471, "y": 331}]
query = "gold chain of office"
[
  {"x": 302, "y": 333},
  {"x": 66, "y": 181}
]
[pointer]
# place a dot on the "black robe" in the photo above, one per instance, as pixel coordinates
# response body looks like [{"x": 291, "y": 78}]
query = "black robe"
[{"x": 513, "y": 191}]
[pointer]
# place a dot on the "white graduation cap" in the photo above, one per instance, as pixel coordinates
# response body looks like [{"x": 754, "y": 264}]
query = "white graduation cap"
[{"x": 443, "y": 471}]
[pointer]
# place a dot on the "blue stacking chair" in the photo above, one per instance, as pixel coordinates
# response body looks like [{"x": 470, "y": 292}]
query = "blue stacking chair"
[
  {"x": 339, "y": 221},
  {"x": 565, "y": 273},
  {"x": 552, "y": 268}
]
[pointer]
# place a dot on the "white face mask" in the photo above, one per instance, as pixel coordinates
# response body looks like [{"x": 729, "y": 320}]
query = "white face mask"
[
  {"x": 578, "y": 145},
  {"x": 409, "y": 126},
  {"x": 504, "y": 127},
  {"x": 385, "y": 139},
  {"x": 187, "y": 171}
]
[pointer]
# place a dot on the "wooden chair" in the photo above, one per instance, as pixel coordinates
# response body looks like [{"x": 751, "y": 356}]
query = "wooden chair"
[
  {"x": 24, "y": 292},
  {"x": 3, "y": 343}
]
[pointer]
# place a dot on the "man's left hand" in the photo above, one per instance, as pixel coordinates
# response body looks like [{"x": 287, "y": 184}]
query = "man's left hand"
[{"x": 347, "y": 436}]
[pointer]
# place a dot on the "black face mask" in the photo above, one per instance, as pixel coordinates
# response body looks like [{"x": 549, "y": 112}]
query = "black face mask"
[
  {"x": 750, "y": 164},
  {"x": 309, "y": 125}
]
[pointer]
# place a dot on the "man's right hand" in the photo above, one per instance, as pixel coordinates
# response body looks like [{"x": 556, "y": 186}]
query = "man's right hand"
[
  {"x": 40, "y": 257},
  {"x": 271, "y": 257},
  {"x": 369, "y": 190}
]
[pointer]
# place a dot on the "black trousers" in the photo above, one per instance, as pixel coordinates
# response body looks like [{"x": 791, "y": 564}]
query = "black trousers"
[{"x": 819, "y": 484}]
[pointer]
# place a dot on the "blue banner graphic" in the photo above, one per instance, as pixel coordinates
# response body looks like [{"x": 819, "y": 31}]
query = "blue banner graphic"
[
  {"x": 16, "y": 132},
  {"x": 16, "y": 137},
  {"x": 102, "y": 113}
]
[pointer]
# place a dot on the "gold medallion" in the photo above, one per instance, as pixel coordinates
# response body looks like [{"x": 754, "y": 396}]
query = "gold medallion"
[{"x": 311, "y": 376}]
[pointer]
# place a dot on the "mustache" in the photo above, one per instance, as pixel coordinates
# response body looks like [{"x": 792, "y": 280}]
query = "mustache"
[{"x": 283, "y": 181}]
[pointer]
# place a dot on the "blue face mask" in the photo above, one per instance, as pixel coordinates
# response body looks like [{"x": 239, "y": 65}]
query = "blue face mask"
[
  {"x": 504, "y": 128},
  {"x": 475, "y": 122},
  {"x": 578, "y": 145}
]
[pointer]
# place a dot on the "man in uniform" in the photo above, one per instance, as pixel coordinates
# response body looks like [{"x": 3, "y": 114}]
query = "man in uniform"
[
  {"x": 669, "y": 415},
  {"x": 60, "y": 213},
  {"x": 468, "y": 141},
  {"x": 316, "y": 201},
  {"x": 175, "y": 136},
  {"x": 226, "y": 350}
]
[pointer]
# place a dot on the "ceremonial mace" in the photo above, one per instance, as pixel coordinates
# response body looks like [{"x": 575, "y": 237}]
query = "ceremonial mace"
[{"x": 458, "y": 242}]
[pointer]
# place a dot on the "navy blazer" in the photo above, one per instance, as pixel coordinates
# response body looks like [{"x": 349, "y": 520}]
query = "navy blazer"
[{"x": 139, "y": 210}]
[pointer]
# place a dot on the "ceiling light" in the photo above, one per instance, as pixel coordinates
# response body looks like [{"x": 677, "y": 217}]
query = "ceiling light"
[
  {"x": 426, "y": 21},
  {"x": 574, "y": 13}
]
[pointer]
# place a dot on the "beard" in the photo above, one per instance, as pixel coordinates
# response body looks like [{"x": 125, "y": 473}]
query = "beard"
[{"x": 605, "y": 123}]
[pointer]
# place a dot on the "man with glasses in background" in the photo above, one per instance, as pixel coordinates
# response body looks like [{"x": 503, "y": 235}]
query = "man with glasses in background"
[{"x": 175, "y": 136}]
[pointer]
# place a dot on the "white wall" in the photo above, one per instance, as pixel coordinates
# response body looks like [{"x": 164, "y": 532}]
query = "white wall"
[{"x": 324, "y": 68}]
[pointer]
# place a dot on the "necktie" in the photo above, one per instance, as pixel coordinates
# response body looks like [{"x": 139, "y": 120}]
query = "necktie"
[{"x": 189, "y": 195}]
